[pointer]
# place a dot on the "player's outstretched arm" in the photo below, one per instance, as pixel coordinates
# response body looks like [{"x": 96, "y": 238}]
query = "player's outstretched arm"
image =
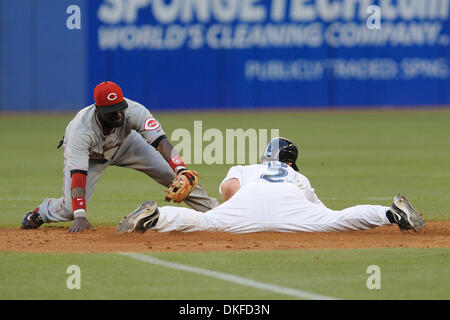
[
  {"x": 78, "y": 193},
  {"x": 170, "y": 154},
  {"x": 185, "y": 181}
]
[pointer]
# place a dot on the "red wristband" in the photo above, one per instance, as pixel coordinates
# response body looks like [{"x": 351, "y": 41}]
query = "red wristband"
[
  {"x": 78, "y": 203},
  {"x": 176, "y": 163}
]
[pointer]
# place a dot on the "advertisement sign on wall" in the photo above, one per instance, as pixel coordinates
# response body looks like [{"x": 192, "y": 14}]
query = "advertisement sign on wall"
[{"x": 278, "y": 53}]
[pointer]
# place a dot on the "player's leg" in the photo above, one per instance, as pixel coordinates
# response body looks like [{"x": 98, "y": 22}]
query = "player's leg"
[
  {"x": 243, "y": 213},
  {"x": 226, "y": 217},
  {"x": 361, "y": 217},
  {"x": 291, "y": 212},
  {"x": 299, "y": 215},
  {"x": 165, "y": 219},
  {"x": 313, "y": 218},
  {"x": 136, "y": 153},
  {"x": 60, "y": 209},
  {"x": 182, "y": 219},
  {"x": 266, "y": 207}
]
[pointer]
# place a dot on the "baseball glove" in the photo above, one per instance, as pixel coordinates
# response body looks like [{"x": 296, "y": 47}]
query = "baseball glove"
[{"x": 182, "y": 186}]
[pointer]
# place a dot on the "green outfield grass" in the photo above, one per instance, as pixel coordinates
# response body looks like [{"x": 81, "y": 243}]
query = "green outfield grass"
[
  {"x": 350, "y": 157},
  {"x": 405, "y": 274}
]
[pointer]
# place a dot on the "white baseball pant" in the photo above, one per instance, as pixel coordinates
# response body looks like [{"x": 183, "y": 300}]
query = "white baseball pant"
[{"x": 260, "y": 207}]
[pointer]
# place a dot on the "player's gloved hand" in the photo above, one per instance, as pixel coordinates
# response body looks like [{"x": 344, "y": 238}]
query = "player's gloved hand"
[
  {"x": 182, "y": 186},
  {"x": 80, "y": 224}
]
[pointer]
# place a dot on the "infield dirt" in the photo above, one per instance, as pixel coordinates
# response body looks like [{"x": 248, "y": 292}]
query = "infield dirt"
[{"x": 55, "y": 238}]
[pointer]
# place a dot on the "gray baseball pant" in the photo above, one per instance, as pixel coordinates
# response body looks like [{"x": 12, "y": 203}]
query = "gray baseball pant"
[{"x": 134, "y": 153}]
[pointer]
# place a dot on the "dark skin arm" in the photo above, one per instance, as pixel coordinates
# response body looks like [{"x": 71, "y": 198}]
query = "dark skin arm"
[
  {"x": 167, "y": 150},
  {"x": 80, "y": 223},
  {"x": 108, "y": 122}
]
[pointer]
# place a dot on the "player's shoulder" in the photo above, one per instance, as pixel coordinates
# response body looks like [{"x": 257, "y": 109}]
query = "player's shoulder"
[
  {"x": 83, "y": 117},
  {"x": 246, "y": 167},
  {"x": 136, "y": 112},
  {"x": 135, "y": 106},
  {"x": 255, "y": 166},
  {"x": 235, "y": 168},
  {"x": 301, "y": 177},
  {"x": 249, "y": 169},
  {"x": 90, "y": 109},
  {"x": 82, "y": 122}
]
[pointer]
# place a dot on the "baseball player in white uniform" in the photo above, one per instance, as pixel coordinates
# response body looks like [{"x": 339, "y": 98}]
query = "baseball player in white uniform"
[
  {"x": 113, "y": 131},
  {"x": 273, "y": 196}
]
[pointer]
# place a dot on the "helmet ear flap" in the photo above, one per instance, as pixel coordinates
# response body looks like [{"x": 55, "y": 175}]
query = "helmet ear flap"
[
  {"x": 289, "y": 154},
  {"x": 281, "y": 149}
]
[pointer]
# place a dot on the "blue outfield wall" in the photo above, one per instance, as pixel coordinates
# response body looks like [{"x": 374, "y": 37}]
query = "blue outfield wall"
[
  {"x": 199, "y": 54},
  {"x": 42, "y": 63}
]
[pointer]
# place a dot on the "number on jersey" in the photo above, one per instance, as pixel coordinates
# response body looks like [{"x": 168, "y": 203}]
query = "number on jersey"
[{"x": 279, "y": 172}]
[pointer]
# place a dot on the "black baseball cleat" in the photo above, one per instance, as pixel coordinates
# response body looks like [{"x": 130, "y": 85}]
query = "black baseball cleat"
[
  {"x": 404, "y": 215},
  {"x": 32, "y": 220},
  {"x": 141, "y": 219}
]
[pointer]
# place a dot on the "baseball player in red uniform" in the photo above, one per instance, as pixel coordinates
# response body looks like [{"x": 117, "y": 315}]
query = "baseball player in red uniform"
[{"x": 115, "y": 131}]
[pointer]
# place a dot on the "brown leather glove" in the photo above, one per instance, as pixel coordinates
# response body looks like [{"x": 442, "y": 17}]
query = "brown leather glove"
[{"x": 182, "y": 186}]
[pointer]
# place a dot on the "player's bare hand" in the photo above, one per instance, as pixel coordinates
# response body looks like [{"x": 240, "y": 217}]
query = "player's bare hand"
[{"x": 80, "y": 224}]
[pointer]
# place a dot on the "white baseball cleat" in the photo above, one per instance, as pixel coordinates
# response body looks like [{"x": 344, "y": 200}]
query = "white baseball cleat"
[
  {"x": 141, "y": 219},
  {"x": 405, "y": 215}
]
